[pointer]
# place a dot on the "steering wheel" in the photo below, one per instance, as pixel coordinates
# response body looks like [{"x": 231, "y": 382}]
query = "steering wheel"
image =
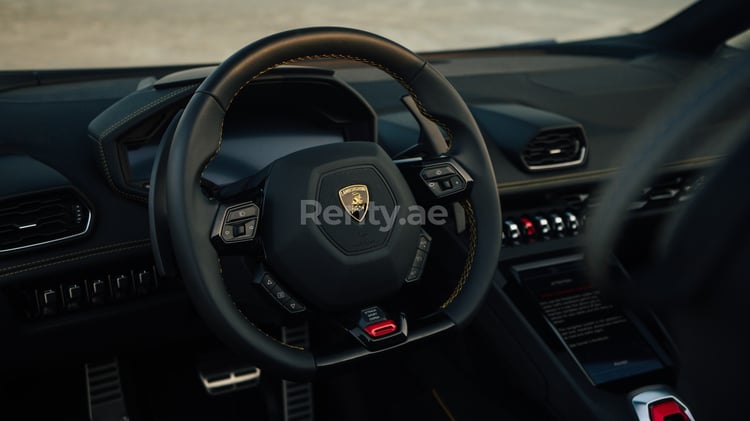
[
  {"x": 698, "y": 282},
  {"x": 329, "y": 267}
]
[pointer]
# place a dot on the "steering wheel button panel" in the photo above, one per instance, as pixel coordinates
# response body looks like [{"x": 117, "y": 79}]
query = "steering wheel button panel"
[
  {"x": 236, "y": 224},
  {"x": 443, "y": 180},
  {"x": 424, "y": 242},
  {"x": 279, "y": 294},
  {"x": 242, "y": 213},
  {"x": 419, "y": 259}
]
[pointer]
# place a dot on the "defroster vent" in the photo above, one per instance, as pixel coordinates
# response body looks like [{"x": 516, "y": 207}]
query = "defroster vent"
[
  {"x": 555, "y": 148},
  {"x": 40, "y": 219}
]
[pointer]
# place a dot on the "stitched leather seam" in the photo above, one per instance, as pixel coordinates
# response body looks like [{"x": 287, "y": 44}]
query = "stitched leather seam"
[
  {"x": 470, "y": 258},
  {"x": 73, "y": 254},
  {"x": 111, "y": 182},
  {"x": 122, "y": 121},
  {"x": 62, "y": 259},
  {"x": 394, "y": 75},
  {"x": 145, "y": 108}
]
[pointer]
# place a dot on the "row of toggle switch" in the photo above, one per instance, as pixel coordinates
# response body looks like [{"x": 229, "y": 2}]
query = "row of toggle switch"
[
  {"x": 540, "y": 227},
  {"x": 59, "y": 297}
]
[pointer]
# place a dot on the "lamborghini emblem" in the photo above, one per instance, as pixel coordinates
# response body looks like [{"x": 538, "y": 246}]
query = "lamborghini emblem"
[{"x": 355, "y": 199}]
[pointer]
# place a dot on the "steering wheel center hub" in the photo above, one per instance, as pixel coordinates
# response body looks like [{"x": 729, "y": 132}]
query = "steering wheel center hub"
[
  {"x": 336, "y": 223},
  {"x": 354, "y": 209}
]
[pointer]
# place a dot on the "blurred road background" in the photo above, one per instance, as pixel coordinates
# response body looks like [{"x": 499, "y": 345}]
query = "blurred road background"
[{"x": 43, "y": 34}]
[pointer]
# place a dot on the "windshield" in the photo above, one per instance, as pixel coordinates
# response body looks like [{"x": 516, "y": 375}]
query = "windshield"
[{"x": 45, "y": 34}]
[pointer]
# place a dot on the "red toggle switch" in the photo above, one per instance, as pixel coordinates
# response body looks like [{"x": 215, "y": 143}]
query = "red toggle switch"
[
  {"x": 667, "y": 409},
  {"x": 527, "y": 227},
  {"x": 379, "y": 329}
]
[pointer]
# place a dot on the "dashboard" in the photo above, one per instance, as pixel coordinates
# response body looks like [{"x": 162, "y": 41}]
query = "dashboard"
[
  {"x": 104, "y": 146},
  {"x": 98, "y": 137}
]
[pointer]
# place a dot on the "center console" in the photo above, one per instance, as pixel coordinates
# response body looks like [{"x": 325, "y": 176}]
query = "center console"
[
  {"x": 607, "y": 343},
  {"x": 582, "y": 354}
]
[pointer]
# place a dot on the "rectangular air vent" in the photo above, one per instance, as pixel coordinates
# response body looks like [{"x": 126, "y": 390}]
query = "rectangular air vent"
[
  {"x": 555, "y": 148},
  {"x": 39, "y": 219}
]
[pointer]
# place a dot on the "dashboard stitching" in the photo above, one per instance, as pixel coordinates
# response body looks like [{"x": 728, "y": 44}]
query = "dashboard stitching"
[
  {"x": 121, "y": 122},
  {"x": 111, "y": 183},
  {"x": 594, "y": 175},
  {"x": 84, "y": 254},
  {"x": 143, "y": 109},
  {"x": 470, "y": 258}
]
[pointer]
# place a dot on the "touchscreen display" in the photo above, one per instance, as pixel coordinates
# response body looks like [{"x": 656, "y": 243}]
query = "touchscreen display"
[{"x": 603, "y": 341}]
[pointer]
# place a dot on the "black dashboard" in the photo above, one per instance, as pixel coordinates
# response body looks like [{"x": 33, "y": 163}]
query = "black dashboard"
[
  {"x": 101, "y": 137},
  {"x": 98, "y": 136}
]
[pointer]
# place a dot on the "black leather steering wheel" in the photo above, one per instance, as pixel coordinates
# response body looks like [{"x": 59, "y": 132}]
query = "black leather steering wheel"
[{"x": 328, "y": 268}]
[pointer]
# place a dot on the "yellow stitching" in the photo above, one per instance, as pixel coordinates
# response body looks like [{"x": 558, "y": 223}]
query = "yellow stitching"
[
  {"x": 143, "y": 109},
  {"x": 119, "y": 123},
  {"x": 394, "y": 75},
  {"x": 216, "y": 151},
  {"x": 470, "y": 258},
  {"x": 111, "y": 182},
  {"x": 75, "y": 259},
  {"x": 145, "y": 240}
]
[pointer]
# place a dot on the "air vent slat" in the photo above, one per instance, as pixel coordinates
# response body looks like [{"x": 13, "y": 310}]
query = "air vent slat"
[
  {"x": 42, "y": 218},
  {"x": 555, "y": 148}
]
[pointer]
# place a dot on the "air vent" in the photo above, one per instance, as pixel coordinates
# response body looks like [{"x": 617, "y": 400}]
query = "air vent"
[
  {"x": 40, "y": 219},
  {"x": 555, "y": 148}
]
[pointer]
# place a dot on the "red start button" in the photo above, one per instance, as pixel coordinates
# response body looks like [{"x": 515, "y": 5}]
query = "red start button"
[
  {"x": 667, "y": 410},
  {"x": 379, "y": 329}
]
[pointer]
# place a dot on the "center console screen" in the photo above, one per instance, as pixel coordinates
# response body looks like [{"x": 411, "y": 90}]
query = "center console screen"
[{"x": 604, "y": 342}]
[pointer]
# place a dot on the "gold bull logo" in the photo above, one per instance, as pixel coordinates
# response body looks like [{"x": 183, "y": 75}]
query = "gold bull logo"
[{"x": 355, "y": 200}]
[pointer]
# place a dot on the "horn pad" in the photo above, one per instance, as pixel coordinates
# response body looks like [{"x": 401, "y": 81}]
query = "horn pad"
[{"x": 335, "y": 225}]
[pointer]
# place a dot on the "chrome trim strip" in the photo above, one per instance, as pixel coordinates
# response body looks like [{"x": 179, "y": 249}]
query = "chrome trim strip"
[
  {"x": 407, "y": 160},
  {"x": 568, "y": 164},
  {"x": 548, "y": 262},
  {"x": 57, "y": 240},
  {"x": 232, "y": 380}
]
